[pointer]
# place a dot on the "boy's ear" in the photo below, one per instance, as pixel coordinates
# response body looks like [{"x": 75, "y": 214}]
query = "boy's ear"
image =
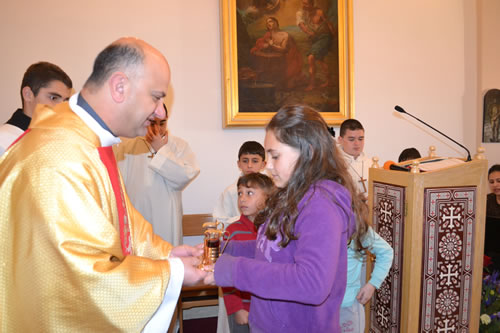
[
  {"x": 28, "y": 95},
  {"x": 264, "y": 163},
  {"x": 238, "y": 163}
]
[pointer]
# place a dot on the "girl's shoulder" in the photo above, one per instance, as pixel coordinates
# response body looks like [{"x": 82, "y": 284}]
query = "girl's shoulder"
[
  {"x": 330, "y": 188},
  {"x": 329, "y": 191}
]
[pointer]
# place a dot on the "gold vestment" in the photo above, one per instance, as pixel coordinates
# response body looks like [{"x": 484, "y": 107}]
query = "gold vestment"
[{"x": 62, "y": 268}]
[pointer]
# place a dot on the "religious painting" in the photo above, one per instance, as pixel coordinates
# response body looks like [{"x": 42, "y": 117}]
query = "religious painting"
[
  {"x": 283, "y": 52},
  {"x": 491, "y": 116}
]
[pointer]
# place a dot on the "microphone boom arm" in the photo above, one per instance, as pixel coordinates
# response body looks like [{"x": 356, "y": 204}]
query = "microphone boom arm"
[{"x": 401, "y": 110}]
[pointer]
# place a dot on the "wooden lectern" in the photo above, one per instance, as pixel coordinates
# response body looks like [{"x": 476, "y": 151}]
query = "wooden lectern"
[{"x": 434, "y": 221}]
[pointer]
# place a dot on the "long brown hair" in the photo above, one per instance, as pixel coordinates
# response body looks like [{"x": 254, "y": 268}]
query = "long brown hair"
[{"x": 303, "y": 128}]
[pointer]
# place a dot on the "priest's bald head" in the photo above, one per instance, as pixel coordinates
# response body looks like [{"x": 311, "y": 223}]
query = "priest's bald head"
[{"x": 127, "y": 86}]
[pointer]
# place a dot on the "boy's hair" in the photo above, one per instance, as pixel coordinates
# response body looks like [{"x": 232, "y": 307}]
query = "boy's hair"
[
  {"x": 304, "y": 129},
  {"x": 41, "y": 74},
  {"x": 252, "y": 147},
  {"x": 409, "y": 154},
  {"x": 257, "y": 180},
  {"x": 494, "y": 168},
  {"x": 350, "y": 124}
]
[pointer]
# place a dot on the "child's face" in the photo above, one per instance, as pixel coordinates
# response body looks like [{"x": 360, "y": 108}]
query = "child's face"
[
  {"x": 353, "y": 142},
  {"x": 251, "y": 200},
  {"x": 251, "y": 163},
  {"x": 159, "y": 126},
  {"x": 281, "y": 159},
  {"x": 494, "y": 181}
]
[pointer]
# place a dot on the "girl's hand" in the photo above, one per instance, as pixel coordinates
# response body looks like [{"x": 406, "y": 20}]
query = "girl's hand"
[
  {"x": 241, "y": 317},
  {"x": 365, "y": 293}
]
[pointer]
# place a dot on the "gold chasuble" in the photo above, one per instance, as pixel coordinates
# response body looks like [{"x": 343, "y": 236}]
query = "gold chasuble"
[{"x": 62, "y": 265}]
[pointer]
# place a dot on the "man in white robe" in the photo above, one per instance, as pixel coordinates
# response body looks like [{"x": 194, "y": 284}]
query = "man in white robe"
[
  {"x": 352, "y": 142},
  {"x": 43, "y": 83},
  {"x": 156, "y": 169}
]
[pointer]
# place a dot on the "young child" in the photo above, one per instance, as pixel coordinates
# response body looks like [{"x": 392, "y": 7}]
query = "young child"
[
  {"x": 253, "y": 191},
  {"x": 352, "y": 141},
  {"x": 409, "y": 154},
  {"x": 352, "y": 312},
  {"x": 251, "y": 158},
  {"x": 492, "y": 227},
  {"x": 296, "y": 269}
]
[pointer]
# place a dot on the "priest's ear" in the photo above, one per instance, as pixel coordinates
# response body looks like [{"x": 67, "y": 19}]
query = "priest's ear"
[{"x": 118, "y": 85}]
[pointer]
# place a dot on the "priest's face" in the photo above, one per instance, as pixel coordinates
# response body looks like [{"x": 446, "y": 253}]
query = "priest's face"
[
  {"x": 353, "y": 142},
  {"x": 147, "y": 92}
]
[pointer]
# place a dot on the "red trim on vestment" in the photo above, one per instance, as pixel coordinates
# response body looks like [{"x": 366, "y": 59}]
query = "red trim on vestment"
[
  {"x": 108, "y": 158},
  {"x": 19, "y": 138}
]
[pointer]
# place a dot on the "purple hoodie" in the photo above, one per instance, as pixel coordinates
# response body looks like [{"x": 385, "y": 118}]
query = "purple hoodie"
[{"x": 298, "y": 288}]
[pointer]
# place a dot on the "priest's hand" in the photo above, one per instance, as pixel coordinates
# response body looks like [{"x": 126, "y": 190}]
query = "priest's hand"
[
  {"x": 187, "y": 251},
  {"x": 210, "y": 278},
  {"x": 192, "y": 274}
]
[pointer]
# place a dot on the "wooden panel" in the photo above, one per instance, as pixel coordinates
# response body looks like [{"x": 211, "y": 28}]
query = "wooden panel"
[
  {"x": 467, "y": 175},
  {"x": 449, "y": 221},
  {"x": 388, "y": 221},
  {"x": 192, "y": 224}
]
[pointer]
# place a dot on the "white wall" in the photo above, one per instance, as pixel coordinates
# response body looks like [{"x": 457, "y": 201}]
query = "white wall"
[
  {"x": 413, "y": 53},
  {"x": 410, "y": 53},
  {"x": 489, "y": 68}
]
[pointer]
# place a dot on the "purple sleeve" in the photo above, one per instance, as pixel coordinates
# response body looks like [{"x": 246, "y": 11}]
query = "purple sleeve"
[
  {"x": 306, "y": 277},
  {"x": 241, "y": 248}
]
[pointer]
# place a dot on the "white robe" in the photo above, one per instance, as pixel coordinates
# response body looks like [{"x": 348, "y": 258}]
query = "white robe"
[
  {"x": 358, "y": 169},
  {"x": 8, "y": 134},
  {"x": 154, "y": 184}
]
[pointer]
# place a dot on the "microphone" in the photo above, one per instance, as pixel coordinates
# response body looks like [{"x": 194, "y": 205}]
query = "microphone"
[
  {"x": 387, "y": 165},
  {"x": 401, "y": 110}
]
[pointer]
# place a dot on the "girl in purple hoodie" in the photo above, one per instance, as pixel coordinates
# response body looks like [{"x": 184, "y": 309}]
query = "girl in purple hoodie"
[{"x": 296, "y": 269}]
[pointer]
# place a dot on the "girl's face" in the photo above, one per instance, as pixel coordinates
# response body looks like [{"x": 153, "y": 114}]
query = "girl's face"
[
  {"x": 281, "y": 159},
  {"x": 251, "y": 200},
  {"x": 494, "y": 180}
]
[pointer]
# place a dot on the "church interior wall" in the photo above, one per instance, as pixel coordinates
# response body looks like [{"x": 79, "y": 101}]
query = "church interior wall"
[
  {"x": 488, "y": 64},
  {"x": 423, "y": 55}
]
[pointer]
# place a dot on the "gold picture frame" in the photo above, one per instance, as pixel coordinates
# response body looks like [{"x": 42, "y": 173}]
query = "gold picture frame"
[{"x": 246, "y": 96}]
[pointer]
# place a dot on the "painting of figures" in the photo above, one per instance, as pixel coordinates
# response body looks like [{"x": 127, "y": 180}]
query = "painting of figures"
[{"x": 285, "y": 52}]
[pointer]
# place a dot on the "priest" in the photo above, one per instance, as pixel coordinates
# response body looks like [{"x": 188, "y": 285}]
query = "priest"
[{"x": 74, "y": 253}]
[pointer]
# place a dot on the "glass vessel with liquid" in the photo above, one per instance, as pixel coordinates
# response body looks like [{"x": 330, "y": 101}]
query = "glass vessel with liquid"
[{"x": 211, "y": 249}]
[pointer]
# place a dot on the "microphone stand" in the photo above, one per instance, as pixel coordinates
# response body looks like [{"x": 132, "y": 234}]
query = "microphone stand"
[{"x": 401, "y": 110}]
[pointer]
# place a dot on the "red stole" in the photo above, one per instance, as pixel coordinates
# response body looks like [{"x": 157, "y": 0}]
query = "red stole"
[{"x": 108, "y": 158}]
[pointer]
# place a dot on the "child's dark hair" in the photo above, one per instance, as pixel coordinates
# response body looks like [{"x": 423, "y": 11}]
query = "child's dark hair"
[
  {"x": 40, "y": 75},
  {"x": 494, "y": 168},
  {"x": 304, "y": 129},
  {"x": 259, "y": 180},
  {"x": 350, "y": 124},
  {"x": 252, "y": 147},
  {"x": 409, "y": 154}
]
